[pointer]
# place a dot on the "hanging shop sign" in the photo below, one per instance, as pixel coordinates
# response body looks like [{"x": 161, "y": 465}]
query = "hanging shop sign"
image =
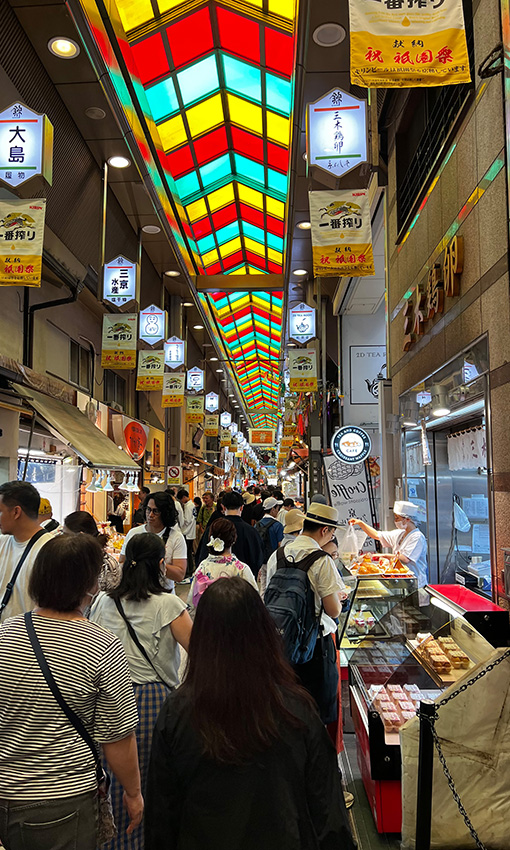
[
  {"x": 302, "y": 323},
  {"x": 119, "y": 281},
  {"x": 26, "y": 145},
  {"x": 225, "y": 419},
  {"x": 336, "y": 132},
  {"x": 341, "y": 234},
  {"x": 21, "y": 241},
  {"x": 262, "y": 436},
  {"x": 348, "y": 491},
  {"x": 153, "y": 324},
  {"x": 234, "y": 427},
  {"x": 130, "y": 434},
  {"x": 194, "y": 409},
  {"x": 303, "y": 370},
  {"x": 287, "y": 442},
  {"x": 173, "y": 475},
  {"x": 174, "y": 386},
  {"x": 211, "y": 425},
  {"x": 151, "y": 370},
  {"x": 351, "y": 444},
  {"x": 212, "y": 402},
  {"x": 195, "y": 381},
  {"x": 403, "y": 43},
  {"x": 175, "y": 352},
  {"x": 225, "y": 436},
  {"x": 289, "y": 429},
  {"x": 119, "y": 341}
]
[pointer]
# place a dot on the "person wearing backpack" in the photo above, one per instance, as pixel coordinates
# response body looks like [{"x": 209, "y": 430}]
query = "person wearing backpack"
[
  {"x": 269, "y": 529},
  {"x": 304, "y": 595}
]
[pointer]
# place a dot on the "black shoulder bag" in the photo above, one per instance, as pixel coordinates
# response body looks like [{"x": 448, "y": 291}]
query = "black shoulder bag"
[
  {"x": 10, "y": 585},
  {"x": 134, "y": 638},
  {"x": 106, "y": 829}
]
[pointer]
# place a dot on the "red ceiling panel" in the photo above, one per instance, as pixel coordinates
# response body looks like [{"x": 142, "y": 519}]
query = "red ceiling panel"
[
  {"x": 151, "y": 59},
  {"x": 225, "y": 216},
  {"x": 215, "y": 268},
  {"x": 275, "y": 268},
  {"x": 277, "y": 157},
  {"x": 185, "y": 48},
  {"x": 274, "y": 225},
  {"x": 279, "y": 52},
  {"x": 211, "y": 145},
  {"x": 239, "y": 35},
  {"x": 248, "y": 144},
  {"x": 202, "y": 228},
  {"x": 252, "y": 215},
  {"x": 255, "y": 260},
  {"x": 179, "y": 162},
  {"x": 234, "y": 260}
]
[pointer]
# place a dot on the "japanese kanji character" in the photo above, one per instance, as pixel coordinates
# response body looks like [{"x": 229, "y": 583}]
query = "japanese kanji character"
[
  {"x": 7, "y": 269},
  {"x": 418, "y": 43},
  {"x": 19, "y": 234},
  {"x": 324, "y": 260},
  {"x": 19, "y": 269},
  {"x": 114, "y": 288},
  {"x": 335, "y": 224},
  {"x": 17, "y": 111},
  {"x": 336, "y": 98},
  {"x": 9, "y": 234},
  {"x": 330, "y": 164},
  {"x": 403, "y": 58},
  {"x": 16, "y": 154},
  {"x": 8, "y": 175},
  {"x": 444, "y": 55},
  {"x": 435, "y": 292},
  {"x": 340, "y": 258},
  {"x": 398, "y": 43},
  {"x": 420, "y": 3},
  {"x": 414, "y": 320},
  {"x": 17, "y": 134},
  {"x": 394, "y": 4},
  {"x": 424, "y": 57},
  {"x": 373, "y": 55},
  {"x": 348, "y": 222},
  {"x": 21, "y": 175},
  {"x": 29, "y": 269},
  {"x": 124, "y": 284},
  {"x": 31, "y": 235},
  {"x": 361, "y": 258},
  {"x": 453, "y": 266}
]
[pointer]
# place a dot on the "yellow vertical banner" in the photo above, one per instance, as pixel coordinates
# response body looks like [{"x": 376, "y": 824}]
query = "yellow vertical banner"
[
  {"x": 118, "y": 349},
  {"x": 303, "y": 370},
  {"x": 341, "y": 234},
  {"x": 21, "y": 242},
  {"x": 403, "y": 43},
  {"x": 151, "y": 370},
  {"x": 211, "y": 425},
  {"x": 173, "y": 389},
  {"x": 194, "y": 408}
]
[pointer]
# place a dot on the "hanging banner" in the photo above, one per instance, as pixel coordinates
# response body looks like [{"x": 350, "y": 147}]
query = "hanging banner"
[
  {"x": 303, "y": 370},
  {"x": 302, "y": 323},
  {"x": 173, "y": 390},
  {"x": 336, "y": 132},
  {"x": 348, "y": 492},
  {"x": 194, "y": 409},
  {"x": 402, "y": 43},
  {"x": 212, "y": 402},
  {"x": 130, "y": 435},
  {"x": 174, "y": 352},
  {"x": 153, "y": 322},
  {"x": 341, "y": 234},
  {"x": 262, "y": 436},
  {"x": 290, "y": 429},
  {"x": 119, "y": 281},
  {"x": 26, "y": 145},
  {"x": 151, "y": 368},
  {"x": 195, "y": 381},
  {"x": 21, "y": 242},
  {"x": 225, "y": 419},
  {"x": 119, "y": 341},
  {"x": 225, "y": 437},
  {"x": 211, "y": 426}
]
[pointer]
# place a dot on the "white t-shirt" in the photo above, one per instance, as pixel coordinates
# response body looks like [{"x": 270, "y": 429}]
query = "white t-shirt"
[
  {"x": 10, "y": 553},
  {"x": 180, "y": 514},
  {"x": 151, "y": 620},
  {"x": 323, "y": 575},
  {"x": 175, "y": 546},
  {"x": 413, "y": 546},
  {"x": 189, "y": 525}
]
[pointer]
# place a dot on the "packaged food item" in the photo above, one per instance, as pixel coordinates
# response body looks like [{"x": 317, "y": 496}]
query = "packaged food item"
[
  {"x": 391, "y": 720},
  {"x": 411, "y": 688},
  {"x": 406, "y": 706},
  {"x": 408, "y": 715},
  {"x": 394, "y": 689}
]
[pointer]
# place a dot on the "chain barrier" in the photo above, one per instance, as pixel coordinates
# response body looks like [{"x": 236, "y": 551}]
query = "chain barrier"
[{"x": 432, "y": 721}]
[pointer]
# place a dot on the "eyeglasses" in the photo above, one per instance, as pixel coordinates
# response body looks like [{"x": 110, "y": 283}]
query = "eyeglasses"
[{"x": 153, "y": 511}]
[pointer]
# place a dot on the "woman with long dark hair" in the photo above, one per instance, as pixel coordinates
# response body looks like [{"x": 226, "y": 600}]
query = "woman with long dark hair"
[
  {"x": 240, "y": 758},
  {"x": 161, "y": 519},
  {"x": 151, "y": 623},
  {"x": 81, "y": 522}
]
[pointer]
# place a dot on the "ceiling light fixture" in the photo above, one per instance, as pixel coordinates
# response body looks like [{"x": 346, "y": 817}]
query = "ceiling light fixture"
[
  {"x": 119, "y": 161},
  {"x": 219, "y": 370},
  {"x": 213, "y": 359},
  {"x": 188, "y": 304},
  {"x": 172, "y": 273},
  {"x": 198, "y": 327},
  {"x": 300, "y": 272},
  {"x": 95, "y": 112},
  {"x": 329, "y": 35},
  {"x": 151, "y": 228},
  {"x": 64, "y": 48},
  {"x": 304, "y": 225}
]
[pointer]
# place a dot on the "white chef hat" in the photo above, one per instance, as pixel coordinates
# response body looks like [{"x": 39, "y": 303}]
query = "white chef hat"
[{"x": 408, "y": 509}]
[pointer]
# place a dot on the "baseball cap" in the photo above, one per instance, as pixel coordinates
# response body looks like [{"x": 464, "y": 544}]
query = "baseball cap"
[
  {"x": 270, "y": 503},
  {"x": 44, "y": 507}
]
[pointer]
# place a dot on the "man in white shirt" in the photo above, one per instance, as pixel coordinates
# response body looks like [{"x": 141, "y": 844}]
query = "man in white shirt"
[
  {"x": 189, "y": 526},
  {"x": 19, "y": 523}
]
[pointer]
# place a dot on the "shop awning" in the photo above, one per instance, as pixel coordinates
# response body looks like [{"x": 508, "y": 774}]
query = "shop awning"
[{"x": 74, "y": 429}]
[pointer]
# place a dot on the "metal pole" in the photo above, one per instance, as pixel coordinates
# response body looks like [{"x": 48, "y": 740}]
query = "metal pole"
[
  {"x": 32, "y": 425},
  {"x": 103, "y": 232},
  {"x": 138, "y": 288},
  {"x": 425, "y": 775},
  {"x": 340, "y": 370},
  {"x": 323, "y": 362}
]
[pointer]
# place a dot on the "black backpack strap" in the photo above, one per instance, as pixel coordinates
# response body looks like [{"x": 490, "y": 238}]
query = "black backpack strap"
[
  {"x": 136, "y": 641},
  {"x": 304, "y": 564},
  {"x": 10, "y": 585}
]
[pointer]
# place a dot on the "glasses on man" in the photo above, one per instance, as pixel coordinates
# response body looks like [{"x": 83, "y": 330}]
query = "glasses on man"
[{"x": 153, "y": 511}]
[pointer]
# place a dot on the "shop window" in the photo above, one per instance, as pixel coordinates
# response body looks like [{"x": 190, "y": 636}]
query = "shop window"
[
  {"x": 79, "y": 365},
  {"x": 114, "y": 389}
]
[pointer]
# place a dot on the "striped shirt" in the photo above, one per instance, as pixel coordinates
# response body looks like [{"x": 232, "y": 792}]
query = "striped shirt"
[{"x": 42, "y": 756}]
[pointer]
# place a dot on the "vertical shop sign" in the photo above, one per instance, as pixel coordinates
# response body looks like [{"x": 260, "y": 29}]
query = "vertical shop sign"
[
  {"x": 348, "y": 491},
  {"x": 174, "y": 352},
  {"x": 153, "y": 324},
  {"x": 336, "y": 132},
  {"x": 119, "y": 341},
  {"x": 119, "y": 281},
  {"x": 26, "y": 145},
  {"x": 173, "y": 390},
  {"x": 211, "y": 425},
  {"x": 303, "y": 370},
  {"x": 225, "y": 419},
  {"x": 402, "y": 43},
  {"x": 195, "y": 382},
  {"x": 151, "y": 369},
  {"x": 225, "y": 436},
  {"x": 302, "y": 323},
  {"x": 21, "y": 242},
  {"x": 341, "y": 234},
  {"x": 194, "y": 409},
  {"x": 212, "y": 402}
]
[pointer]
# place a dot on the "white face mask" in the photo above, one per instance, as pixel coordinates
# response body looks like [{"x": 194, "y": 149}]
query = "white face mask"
[{"x": 400, "y": 523}]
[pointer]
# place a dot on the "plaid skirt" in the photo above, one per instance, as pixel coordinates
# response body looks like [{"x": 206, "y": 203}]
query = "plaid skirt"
[{"x": 149, "y": 699}]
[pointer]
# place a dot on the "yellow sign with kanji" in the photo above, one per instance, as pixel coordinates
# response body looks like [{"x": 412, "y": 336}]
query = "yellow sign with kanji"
[
  {"x": 303, "y": 370},
  {"x": 194, "y": 409},
  {"x": 211, "y": 425},
  {"x": 173, "y": 389},
  {"x": 118, "y": 350},
  {"x": 21, "y": 242},
  {"x": 404, "y": 43},
  {"x": 225, "y": 438},
  {"x": 341, "y": 234},
  {"x": 151, "y": 369}
]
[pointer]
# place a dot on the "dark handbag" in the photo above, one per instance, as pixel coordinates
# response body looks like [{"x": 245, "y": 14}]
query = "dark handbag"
[
  {"x": 10, "y": 585},
  {"x": 134, "y": 638},
  {"x": 106, "y": 829}
]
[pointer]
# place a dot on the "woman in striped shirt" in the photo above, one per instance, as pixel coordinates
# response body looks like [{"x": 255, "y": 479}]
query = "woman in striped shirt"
[{"x": 48, "y": 785}]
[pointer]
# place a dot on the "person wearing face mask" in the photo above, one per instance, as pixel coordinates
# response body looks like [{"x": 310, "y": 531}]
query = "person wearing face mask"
[
  {"x": 407, "y": 542},
  {"x": 151, "y": 623}
]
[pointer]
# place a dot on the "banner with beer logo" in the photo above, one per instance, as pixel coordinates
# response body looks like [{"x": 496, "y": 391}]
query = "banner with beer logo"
[
  {"x": 211, "y": 425},
  {"x": 173, "y": 389},
  {"x": 194, "y": 409},
  {"x": 403, "y": 43},
  {"x": 303, "y": 370},
  {"x": 119, "y": 341},
  {"x": 225, "y": 437},
  {"x": 21, "y": 242},
  {"x": 151, "y": 370},
  {"x": 341, "y": 234}
]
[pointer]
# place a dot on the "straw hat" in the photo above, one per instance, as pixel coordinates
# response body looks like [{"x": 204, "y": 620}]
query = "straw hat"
[
  {"x": 294, "y": 520},
  {"x": 322, "y": 515},
  {"x": 248, "y": 498},
  {"x": 45, "y": 508}
]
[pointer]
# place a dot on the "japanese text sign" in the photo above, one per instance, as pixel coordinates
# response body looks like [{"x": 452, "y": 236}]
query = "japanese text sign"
[
  {"x": 302, "y": 323},
  {"x": 212, "y": 402},
  {"x": 26, "y": 145},
  {"x": 21, "y": 242},
  {"x": 303, "y": 370},
  {"x": 195, "y": 380},
  {"x": 194, "y": 409},
  {"x": 174, "y": 352},
  {"x": 262, "y": 436},
  {"x": 130, "y": 434},
  {"x": 153, "y": 322},
  {"x": 119, "y": 341},
  {"x": 119, "y": 281},
  {"x": 336, "y": 132},
  {"x": 211, "y": 425},
  {"x": 402, "y": 43},
  {"x": 341, "y": 234},
  {"x": 173, "y": 390},
  {"x": 225, "y": 438},
  {"x": 225, "y": 419},
  {"x": 151, "y": 368}
]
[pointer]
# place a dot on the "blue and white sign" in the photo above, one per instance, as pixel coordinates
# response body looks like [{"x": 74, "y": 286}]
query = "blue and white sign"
[
  {"x": 351, "y": 444},
  {"x": 195, "y": 382},
  {"x": 212, "y": 402},
  {"x": 119, "y": 281},
  {"x": 225, "y": 419},
  {"x": 174, "y": 352},
  {"x": 336, "y": 132},
  {"x": 153, "y": 322},
  {"x": 26, "y": 145}
]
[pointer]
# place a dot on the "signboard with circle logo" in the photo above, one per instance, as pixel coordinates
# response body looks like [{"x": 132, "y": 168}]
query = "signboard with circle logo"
[{"x": 351, "y": 444}]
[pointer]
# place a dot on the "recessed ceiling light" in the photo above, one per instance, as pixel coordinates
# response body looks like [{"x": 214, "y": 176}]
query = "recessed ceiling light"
[
  {"x": 172, "y": 273},
  {"x": 219, "y": 370},
  {"x": 119, "y": 161},
  {"x": 64, "y": 48},
  {"x": 291, "y": 345},
  {"x": 300, "y": 272},
  {"x": 329, "y": 35},
  {"x": 212, "y": 358},
  {"x": 304, "y": 225},
  {"x": 187, "y": 304},
  {"x": 95, "y": 112},
  {"x": 198, "y": 327},
  {"x": 151, "y": 228}
]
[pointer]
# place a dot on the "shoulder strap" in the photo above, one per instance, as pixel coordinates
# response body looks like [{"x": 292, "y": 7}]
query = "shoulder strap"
[
  {"x": 134, "y": 638},
  {"x": 10, "y": 585},
  {"x": 68, "y": 711},
  {"x": 304, "y": 564}
]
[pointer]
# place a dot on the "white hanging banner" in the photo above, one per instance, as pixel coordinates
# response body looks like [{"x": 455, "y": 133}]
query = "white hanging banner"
[
  {"x": 302, "y": 323},
  {"x": 174, "y": 352},
  {"x": 467, "y": 450},
  {"x": 195, "y": 382},
  {"x": 119, "y": 281},
  {"x": 348, "y": 491},
  {"x": 212, "y": 402},
  {"x": 26, "y": 145},
  {"x": 341, "y": 234},
  {"x": 336, "y": 132},
  {"x": 153, "y": 322}
]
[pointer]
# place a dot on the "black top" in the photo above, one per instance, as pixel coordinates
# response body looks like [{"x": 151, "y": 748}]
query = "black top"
[
  {"x": 248, "y": 546},
  {"x": 247, "y": 514},
  {"x": 258, "y": 511},
  {"x": 289, "y": 798}
]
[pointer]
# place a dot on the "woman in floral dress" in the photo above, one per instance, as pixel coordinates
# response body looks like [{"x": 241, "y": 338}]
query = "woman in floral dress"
[{"x": 219, "y": 563}]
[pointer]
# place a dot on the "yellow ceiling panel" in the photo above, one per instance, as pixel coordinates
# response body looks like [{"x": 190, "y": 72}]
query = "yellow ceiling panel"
[
  {"x": 134, "y": 12},
  {"x": 251, "y": 196},
  {"x": 206, "y": 115},
  {"x": 166, "y": 5},
  {"x": 256, "y": 247},
  {"x": 221, "y": 197},
  {"x": 172, "y": 133},
  {"x": 229, "y": 247},
  {"x": 196, "y": 210},
  {"x": 275, "y": 256},
  {"x": 210, "y": 257},
  {"x": 285, "y": 8},
  {"x": 276, "y": 208},
  {"x": 278, "y": 128},
  {"x": 242, "y": 270},
  {"x": 246, "y": 114}
]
